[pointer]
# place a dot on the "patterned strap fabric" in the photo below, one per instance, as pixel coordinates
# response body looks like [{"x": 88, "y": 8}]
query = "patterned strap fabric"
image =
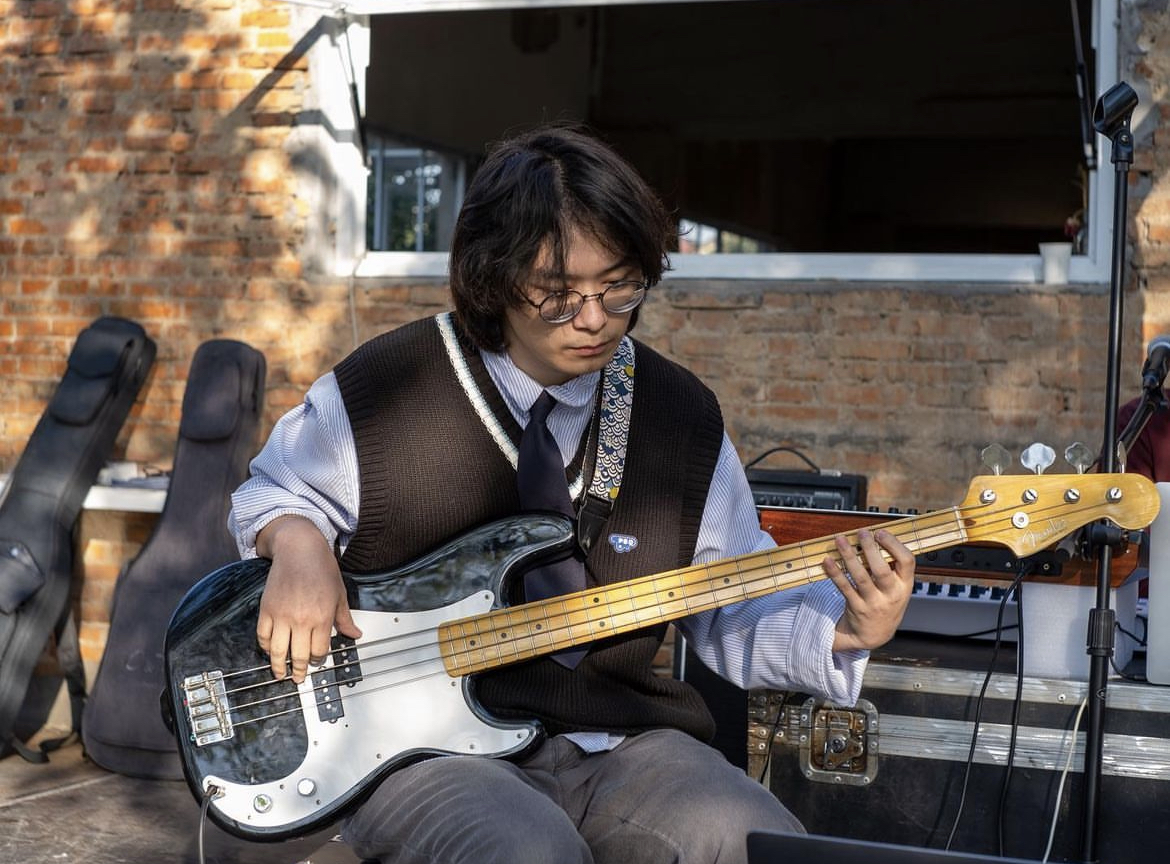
[{"x": 617, "y": 400}]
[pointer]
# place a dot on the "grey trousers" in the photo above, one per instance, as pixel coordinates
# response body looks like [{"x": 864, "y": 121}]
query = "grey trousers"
[{"x": 658, "y": 797}]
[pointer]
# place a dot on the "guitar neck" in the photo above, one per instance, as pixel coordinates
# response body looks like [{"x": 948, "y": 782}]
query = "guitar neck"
[{"x": 518, "y": 633}]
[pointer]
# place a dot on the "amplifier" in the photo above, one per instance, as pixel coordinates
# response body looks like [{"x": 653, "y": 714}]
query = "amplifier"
[{"x": 818, "y": 490}]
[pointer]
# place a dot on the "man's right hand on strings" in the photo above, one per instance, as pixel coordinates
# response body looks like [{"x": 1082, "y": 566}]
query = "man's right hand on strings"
[{"x": 304, "y": 598}]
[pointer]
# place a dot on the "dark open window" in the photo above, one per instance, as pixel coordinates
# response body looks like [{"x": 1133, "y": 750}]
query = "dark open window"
[{"x": 804, "y": 126}]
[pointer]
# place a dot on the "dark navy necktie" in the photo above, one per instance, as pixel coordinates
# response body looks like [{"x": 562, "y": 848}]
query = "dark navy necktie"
[
  {"x": 540, "y": 475},
  {"x": 540, "y": 481}
]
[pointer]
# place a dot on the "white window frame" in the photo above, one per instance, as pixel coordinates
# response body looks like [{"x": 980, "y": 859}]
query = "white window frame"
[{"x": 349, "y": 257}]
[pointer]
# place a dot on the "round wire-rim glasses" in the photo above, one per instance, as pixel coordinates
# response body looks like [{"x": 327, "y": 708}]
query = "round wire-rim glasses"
[{"x": 618, "y": 297}]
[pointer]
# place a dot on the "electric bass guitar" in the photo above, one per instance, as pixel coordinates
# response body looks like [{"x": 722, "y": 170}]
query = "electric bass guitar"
[{"x": 272, "y": 760}]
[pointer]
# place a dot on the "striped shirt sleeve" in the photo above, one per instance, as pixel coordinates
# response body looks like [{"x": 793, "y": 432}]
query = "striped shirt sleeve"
[
  {"x": 783, "y": 640},
  {"x": 307, "y": 468}
]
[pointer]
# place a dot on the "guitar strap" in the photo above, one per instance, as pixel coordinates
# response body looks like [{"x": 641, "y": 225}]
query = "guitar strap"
[
  {"x": 616, "y": 400},
  {"x": 609, "y": 428},
  {"x": 72, "y": 668}
]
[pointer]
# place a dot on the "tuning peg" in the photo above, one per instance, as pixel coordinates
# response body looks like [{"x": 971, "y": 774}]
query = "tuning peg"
[
  {"x": 997, "y": 458},
  {"x": 1038, "y": 457},
  {"x": 1079, "y": 457}
]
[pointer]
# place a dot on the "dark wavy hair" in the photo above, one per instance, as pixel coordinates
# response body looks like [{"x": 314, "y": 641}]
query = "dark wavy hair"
[{"x": 531, "y": 192}]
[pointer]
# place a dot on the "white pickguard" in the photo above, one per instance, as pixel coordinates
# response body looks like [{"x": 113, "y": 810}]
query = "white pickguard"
[{"x": 406, "y": 703}]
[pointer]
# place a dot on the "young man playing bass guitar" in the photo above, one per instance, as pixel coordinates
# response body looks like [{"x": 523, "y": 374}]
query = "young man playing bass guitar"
[{"x": 417, "y": 437}]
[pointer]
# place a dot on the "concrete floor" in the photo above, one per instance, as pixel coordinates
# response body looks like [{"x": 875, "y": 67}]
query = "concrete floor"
[{"x": 70, "y": 810}]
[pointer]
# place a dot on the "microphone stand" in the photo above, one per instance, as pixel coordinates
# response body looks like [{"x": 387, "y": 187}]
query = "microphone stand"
[
  {"x": 1111, "y": 118},
  {"x": 1153, "y": 401}
]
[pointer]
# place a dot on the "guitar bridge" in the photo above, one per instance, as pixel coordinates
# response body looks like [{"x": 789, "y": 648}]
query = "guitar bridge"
[{"x": 205, "y": 698}]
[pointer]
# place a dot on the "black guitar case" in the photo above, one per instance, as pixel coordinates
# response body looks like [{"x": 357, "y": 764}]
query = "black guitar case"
[
  {"x": 122, "y": 729},
  {"x": 68, "y": 447}
]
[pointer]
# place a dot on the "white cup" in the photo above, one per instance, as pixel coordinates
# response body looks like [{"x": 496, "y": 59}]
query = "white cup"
[{"x": 1054, "y": 260}]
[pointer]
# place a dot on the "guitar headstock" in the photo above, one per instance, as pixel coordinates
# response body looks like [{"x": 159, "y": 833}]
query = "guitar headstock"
[{"x": 1030, "y": 512}]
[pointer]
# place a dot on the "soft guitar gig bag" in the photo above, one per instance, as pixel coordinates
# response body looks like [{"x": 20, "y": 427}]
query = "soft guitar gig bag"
[
  {"x": 122, "y": 728},
  {"x": 68, "y": 447}
]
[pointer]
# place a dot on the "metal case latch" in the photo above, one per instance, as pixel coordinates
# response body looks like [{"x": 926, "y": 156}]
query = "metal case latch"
[{"x": 838, "y": 745}]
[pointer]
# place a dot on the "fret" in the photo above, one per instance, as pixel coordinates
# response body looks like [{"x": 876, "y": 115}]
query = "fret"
[
  {"x": 726, "y": 581},
  {"x": 576, "y": 623},
  {"x": 540, "y": 635},
  {"x": 669, "y": 592},
  {"x": 624, "y": 609},
  {"x": 474, "y": 642},
  {"x": 806, "y": 556}
]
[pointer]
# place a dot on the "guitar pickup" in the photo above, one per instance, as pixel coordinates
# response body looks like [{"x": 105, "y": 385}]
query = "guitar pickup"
[
  {"x": 345, "y": 661},
  {"x": 205, "y": 698},
  {"x": 326, "y": 683}
]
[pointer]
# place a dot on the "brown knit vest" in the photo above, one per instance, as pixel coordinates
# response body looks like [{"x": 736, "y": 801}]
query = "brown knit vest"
[{"x": 431, "y": 470}]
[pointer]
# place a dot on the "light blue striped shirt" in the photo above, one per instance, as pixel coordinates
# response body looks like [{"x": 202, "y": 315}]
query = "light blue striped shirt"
[{"x": 784, "y": 640}]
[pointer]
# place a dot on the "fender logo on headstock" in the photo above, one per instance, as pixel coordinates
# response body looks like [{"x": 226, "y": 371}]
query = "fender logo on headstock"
[{"x": 1056, "y": 529}]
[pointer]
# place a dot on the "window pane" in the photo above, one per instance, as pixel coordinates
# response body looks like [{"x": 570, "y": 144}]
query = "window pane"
[
  {"x": 898, "y": 126},
  {"x": 411, "y": 198}
]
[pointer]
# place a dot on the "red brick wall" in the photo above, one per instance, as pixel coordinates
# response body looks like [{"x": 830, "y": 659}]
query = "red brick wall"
[
  {"x": 144, "y": 172},
  {"x": 904, "y": 386}
]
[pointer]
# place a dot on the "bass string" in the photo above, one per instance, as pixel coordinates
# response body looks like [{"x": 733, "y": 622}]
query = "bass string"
[
  {"x": 333, "y": 654},
  {"x": 913, "y": 537},
  {"x": 759, "y": 577},
  {"x": 364, "y": 691},
  {"x": 347, "y": 689}
]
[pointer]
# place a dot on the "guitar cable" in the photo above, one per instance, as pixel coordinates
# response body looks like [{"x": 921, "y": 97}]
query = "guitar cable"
[
  {"x": 772, "y": 737},
  {"x": 1139, "y": 642},
  {"x": 208, "y": 794},
  {"x": 1017, "y": 701},
  {"x": 813, "y": 466},
  {"x": 1072, "y": 747},
  {"x": 1015, "y": 729},
  {"x": 1024, "y": 567}
]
